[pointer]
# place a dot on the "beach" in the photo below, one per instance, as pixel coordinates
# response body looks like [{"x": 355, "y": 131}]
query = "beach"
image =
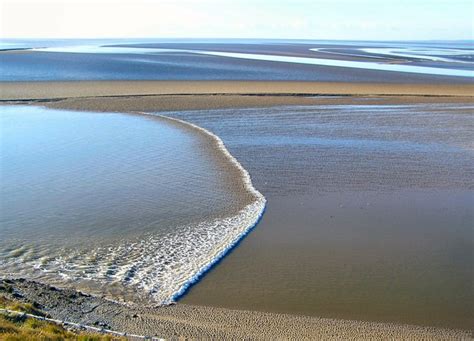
[
  {"x": 38, "y": 90},
  {"x": 199, "y": 322},
  {"x": 358, "y": 155},
  {"x": 209, "y": 309},
  {"x": 241, "y": 170}
]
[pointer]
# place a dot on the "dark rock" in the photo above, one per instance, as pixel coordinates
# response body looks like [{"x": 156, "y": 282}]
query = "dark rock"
[
  {"x": 17, "y": 294},
  {"x": 36, "y": 305},
  {"x": 101, "y": 324}
]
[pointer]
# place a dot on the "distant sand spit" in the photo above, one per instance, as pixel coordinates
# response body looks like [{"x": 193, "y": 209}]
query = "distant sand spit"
[{"x": 58, "y": 90}]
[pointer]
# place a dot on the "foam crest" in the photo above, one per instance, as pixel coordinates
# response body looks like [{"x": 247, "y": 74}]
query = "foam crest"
[{"x": 230, "y": 231}]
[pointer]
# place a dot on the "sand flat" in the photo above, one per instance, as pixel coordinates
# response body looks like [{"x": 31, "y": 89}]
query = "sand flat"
[
  {"x": 58, "y": 90},
  {"x": 362, "y": 200}
]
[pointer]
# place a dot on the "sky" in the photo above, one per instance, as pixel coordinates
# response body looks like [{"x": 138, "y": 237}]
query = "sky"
[{"x": 279, "y": 19}]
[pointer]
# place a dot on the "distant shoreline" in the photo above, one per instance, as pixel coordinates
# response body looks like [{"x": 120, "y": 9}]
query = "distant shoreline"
[{"x": 74, "y": 89}]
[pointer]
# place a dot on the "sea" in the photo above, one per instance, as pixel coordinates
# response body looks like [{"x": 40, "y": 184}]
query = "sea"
[{"x": 200, "y": 59}]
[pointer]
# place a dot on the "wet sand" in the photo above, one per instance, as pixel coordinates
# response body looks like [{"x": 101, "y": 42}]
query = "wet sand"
[
  {"x": 368, "y": 217},
  {"x": 203, "y": 321},
  {"x": 61, "y": 90}
]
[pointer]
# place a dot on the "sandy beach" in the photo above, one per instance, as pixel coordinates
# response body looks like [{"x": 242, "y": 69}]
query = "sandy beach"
[
  {"x": 191, "y": 320},
  {"x": 60, "y": 90}
]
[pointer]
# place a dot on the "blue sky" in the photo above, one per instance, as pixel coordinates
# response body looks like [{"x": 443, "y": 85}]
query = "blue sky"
[{"x": 299, "y": 19}]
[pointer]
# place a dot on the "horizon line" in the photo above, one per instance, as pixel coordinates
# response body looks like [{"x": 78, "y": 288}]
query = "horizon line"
[{"x": 236, "y": 38}]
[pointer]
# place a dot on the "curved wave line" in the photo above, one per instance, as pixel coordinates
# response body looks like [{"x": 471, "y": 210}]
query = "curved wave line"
[{"x": 252, "y": 213}]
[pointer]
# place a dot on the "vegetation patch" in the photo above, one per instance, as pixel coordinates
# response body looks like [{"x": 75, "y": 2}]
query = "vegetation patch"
[{"x": 20, "y": 327}]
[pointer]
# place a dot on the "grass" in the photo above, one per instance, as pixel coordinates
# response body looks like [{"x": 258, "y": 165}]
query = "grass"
[
  {"x": 29, "y": 308},
  {"x": 21, "y": 328}
]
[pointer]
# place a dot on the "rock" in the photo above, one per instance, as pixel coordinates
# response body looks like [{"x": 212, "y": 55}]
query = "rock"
[
  {"x": 101, "y": 324},
  {"x": 17, "y": 294},
  {"x": 36, "y": 305}
]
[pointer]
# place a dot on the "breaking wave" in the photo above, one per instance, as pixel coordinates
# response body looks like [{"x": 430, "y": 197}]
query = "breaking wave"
[
  {"x": 161, "y": 266},
  {"x": 237, "y": 226}
]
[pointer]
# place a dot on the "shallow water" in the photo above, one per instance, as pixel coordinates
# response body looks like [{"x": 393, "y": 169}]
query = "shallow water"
[
  {"x": 369, "y": 212},
  {"x": 161, "y": 59},
  {"x": 129, "y": 205},
  {"x": 280, "y": 58}
]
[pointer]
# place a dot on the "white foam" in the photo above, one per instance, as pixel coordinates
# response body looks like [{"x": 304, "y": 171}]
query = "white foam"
[{"x": 242, "y": 223}]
